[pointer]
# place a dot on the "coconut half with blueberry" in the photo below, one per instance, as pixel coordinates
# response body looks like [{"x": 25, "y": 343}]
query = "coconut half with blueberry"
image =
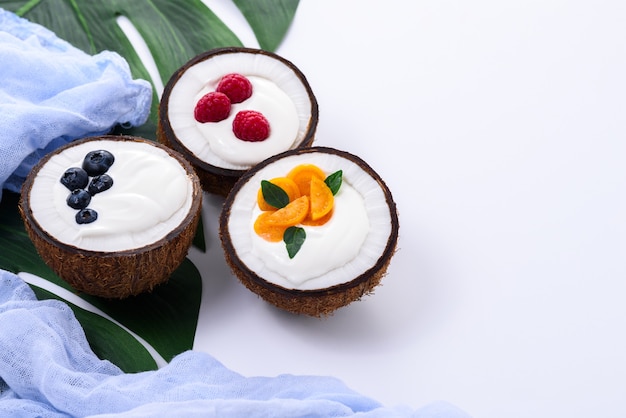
[
  {"x": 228, "y": 109},
  {"x": 310, "y": 230},
  {"x": 113, "y": 216}
]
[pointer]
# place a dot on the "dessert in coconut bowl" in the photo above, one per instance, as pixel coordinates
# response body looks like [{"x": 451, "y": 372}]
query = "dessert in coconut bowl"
[
  {"x": 113, "y": 216},
  {"x": 310, "y": 230},
  {"x": 228, "y": 109}
]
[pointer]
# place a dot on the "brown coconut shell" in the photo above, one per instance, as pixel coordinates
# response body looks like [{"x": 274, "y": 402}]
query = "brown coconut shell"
[
  {"x": 216, "y": 179},
  {"x": 319, "y": 302},
  {"x": 119, "y": 274}
]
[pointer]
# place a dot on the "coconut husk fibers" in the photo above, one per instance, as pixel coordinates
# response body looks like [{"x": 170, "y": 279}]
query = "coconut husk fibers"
[
  {"x": 218, "y": 180},
  {"x": 114, "y": 275},
  {"x": 319, "y": 302}
]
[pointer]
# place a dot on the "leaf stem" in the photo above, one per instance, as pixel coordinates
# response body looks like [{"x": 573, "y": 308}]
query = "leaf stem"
[
  {"x": 27, "y": 7},
  {"x": 83, "y": 23}
]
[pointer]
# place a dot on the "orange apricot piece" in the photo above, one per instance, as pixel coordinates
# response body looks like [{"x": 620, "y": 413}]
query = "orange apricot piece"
[
  {"x": 285, "y": 183},
  {"x": 308, "y": 221},
  {"x": 267, "y": 230},
  {"x": 322, "y": 199},
  {"x": 271, "y": 225},
  {"x": 302, "y": 174},
  {"x": 292, "y": 214}
]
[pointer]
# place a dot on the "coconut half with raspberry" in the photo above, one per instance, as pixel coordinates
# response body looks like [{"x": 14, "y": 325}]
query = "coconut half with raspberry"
[
  {"x": 113, "y": 216},
  {"x": 228, "y": 109},
  {"x": 310, "y": 230}
]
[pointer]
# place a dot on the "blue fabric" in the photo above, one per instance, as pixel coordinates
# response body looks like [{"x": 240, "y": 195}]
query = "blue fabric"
[
  {"x": 52, "y": 93},
  {"x": 47, "y": 369}
]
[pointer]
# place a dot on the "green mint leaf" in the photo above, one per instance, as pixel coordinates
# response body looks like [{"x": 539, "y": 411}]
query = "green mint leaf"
[
  {"x": 334, "y": 181},
  {"x": 274, "y": 195},
  {"x": 294, "y": 237}
]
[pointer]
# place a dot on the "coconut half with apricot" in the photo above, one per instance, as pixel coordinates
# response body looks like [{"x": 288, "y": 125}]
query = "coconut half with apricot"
[
  {"x": 310, "y": 230},
  {"x": 113, "y": 216},
  {"x": 228, "y": 109}
]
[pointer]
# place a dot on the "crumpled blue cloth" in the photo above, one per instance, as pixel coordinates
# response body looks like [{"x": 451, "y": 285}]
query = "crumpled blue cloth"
[
  {"x": 47, "y": 369},
  {"x": 52, "y": 93}
]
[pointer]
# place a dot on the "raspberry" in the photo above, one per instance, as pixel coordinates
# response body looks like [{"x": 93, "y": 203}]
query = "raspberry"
[
  {"x": 250, "y": 125},
  {"x": 237, "y": 87},
  {"x": 212, "y": 107}
]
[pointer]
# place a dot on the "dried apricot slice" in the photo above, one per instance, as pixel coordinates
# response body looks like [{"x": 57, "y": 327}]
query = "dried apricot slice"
[
  {"x": 308, "y": 221},
  {"x": 271, "y": 225},
  {"x": 285, "y": 183},
  {"x": 290, "y": 215},
  {"x": 267, "y": 230},
  {"x": 302, "y": 174},
  {"x": 322, "y": 199}
]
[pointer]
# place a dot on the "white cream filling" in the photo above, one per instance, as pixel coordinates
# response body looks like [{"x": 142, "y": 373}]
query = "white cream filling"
[
  {"x": 151, "y": 195},
  {"x": 277, "y": 93},
  {"x": 334, "y": 253}
]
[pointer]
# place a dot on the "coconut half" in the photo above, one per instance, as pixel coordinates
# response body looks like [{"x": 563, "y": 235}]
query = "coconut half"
[
  {"x": 280, "y": 91},
  {"x": 145, "y": 223},
  {"x": 338, "y": 262}
]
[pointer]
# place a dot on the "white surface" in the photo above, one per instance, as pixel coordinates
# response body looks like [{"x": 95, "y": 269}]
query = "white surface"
[{"x": 499, "y": 127}]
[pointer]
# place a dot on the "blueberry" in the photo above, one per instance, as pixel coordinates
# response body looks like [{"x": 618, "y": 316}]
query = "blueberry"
[
  {"x": 86, "y": 216},
  {"x": 75, "y": 178},
  {"x": 78, "y": 199},
  {"x": 100, "y": 183},
  {"x": 98, "y": 162}
]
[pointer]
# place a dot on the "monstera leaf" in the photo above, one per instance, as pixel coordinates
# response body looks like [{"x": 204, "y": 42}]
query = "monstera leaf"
[{"x": 139, "y": 332}]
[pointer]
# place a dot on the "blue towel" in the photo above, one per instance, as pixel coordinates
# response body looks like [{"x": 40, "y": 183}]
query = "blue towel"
[
  {"x": 52, "y": 93},
  {"x": 48, "y": 370}
]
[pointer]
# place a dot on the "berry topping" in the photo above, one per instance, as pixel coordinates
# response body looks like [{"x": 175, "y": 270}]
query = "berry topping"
[
  {"x": 98, "y": 162},
  {"x": 212, "y": 107},
  {"x": 78, "y": 199},
  {"x": 237, "y": 87},
  {"x": 86, "y": 216},
  {"x": 250, "y": 125},
  {"x": 75, "y": 178},
  {"x": 99, "y": 184}
]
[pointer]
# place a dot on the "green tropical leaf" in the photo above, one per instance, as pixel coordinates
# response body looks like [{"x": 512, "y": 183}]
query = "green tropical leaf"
[
  {"x": 269, "y": 19},
  {"x": 198, "y": 239}
]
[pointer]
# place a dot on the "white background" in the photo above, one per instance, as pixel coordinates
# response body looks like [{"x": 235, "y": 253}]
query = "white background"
[{"x": 499, "y": 128}]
